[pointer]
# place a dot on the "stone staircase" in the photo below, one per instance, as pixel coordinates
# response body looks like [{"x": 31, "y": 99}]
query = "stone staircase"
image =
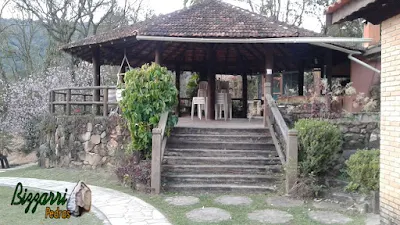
[{"x": 220, "y": 160}]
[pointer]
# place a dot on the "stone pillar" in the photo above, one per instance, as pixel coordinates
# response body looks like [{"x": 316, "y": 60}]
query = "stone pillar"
[
  {"x": 291, "y": 160},
  {"x": 317, "y": 81},
  {"x": 96, "y": 79}
]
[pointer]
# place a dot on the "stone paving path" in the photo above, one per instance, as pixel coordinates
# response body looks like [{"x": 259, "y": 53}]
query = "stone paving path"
[
  {"x": 18, "y": 167},
  {"x": 113, "y": 207}
]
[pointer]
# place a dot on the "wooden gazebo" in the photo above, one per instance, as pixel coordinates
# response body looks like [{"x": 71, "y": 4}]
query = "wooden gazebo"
[{"x": 213, "y": 37}]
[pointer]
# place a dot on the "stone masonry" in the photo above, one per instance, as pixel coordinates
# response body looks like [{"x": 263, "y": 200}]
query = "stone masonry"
[
  {"x": 390, "y": 122},
  {"x": 83, "y": 142}
]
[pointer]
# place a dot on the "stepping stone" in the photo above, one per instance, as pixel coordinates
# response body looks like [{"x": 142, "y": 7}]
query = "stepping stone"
[
  {"x": 327, "y": 205},
  {"x": 182, "y": 200},
  {"x": 271, "y": 216},
  {"x": 372, "y": 219},
  {"x": 208, "y": 215},
  {"x": 329, "y": 217},
  {"x": 281, "y": 201},
  {"x": 233, "y": 200}
]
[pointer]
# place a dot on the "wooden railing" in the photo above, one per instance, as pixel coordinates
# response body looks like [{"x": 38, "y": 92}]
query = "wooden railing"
[
  {"x": 159, "y": 141},
  {"x": 285, "y": 140},
  {"x": 79, "y": 97}
]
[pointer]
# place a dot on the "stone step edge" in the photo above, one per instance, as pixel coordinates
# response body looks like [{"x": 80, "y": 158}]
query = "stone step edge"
[
  {"x": 221, "y": 135},
  {"x": 231, "y": 186},
  {"x": 252, "y": 176},
  {"x": 223, "y": 142},
  {"x": 223, "y": 166},
  {"x": 221, "y": 150},
  {"x": 221, "y": 158}
]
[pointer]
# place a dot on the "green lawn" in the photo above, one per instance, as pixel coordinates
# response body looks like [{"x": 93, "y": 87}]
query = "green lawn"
[
  {"x": 15, "y": 214},
  {"x": 176, "y": 215}
]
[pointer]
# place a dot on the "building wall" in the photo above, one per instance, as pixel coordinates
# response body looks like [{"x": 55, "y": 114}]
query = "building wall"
[
  {"x": 363, "y": 79},
  {"x": 390, "y": 122}
]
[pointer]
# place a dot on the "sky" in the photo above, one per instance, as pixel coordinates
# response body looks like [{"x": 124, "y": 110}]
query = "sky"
[{"x": 168, "y": 6}]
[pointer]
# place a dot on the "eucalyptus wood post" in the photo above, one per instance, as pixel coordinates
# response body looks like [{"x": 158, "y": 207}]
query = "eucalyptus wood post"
[
  {"x": 291, "y": 159},
  {"x": 53, "y": 99},
  {"x": 96, "y": 79},
  {"x": 178, "y": 86},
  {"x": 50, "y": 101},
  {"x": 65, "y": 100},
  {"x": 156, "y": 161},
  {"x": 68, "y": 102},
  {"x": 267, "y": 112},
  {"x": 84, "y": 106},
  {"x": 300, "y": 82},
  {"x": 105, "y": 102},
  {"x": 211, "y": 82},
  {"x": 244, "y": 95},
  {"x": 158, "y": 54}
]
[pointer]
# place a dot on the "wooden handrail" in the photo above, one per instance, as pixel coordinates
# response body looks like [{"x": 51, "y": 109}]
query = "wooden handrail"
[
  {"x": 278, "y": 118},
  {"x": 159, "y": 141},
  {"x": 273, "y": 119}
]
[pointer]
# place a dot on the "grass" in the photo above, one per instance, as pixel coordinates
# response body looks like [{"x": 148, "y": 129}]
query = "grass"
[
  {"x": 15, "y": 214},
  {"x": 175, "y": 214}
]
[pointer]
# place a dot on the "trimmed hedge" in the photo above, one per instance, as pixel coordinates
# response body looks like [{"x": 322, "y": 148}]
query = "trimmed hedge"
[
  {"x": 363, "y": 170},
  {"x": 320, "y": 144}
]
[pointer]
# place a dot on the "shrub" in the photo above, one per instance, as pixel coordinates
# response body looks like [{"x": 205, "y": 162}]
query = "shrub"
[
  {"x": 191, "y": 89},
  {"x": 363, "y": 170},
  {"x": 132, "y": 172},
  {"x": 320, "y": 143},
  {"x": 149, "y": 91}
]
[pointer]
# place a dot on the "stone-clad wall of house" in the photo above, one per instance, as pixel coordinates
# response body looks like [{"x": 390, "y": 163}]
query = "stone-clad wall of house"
[
  {"x": 390, "y": 122},
  {"x": 83, "y": 141}
]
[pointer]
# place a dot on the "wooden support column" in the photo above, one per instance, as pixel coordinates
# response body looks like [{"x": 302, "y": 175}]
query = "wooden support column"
[
  {"x": 244, "y": 94},
  {"x": 269, "y": 65},
  {"x": 105, "y": 102},
  {"x": 178, "y": 86},
  {"x": 158, "y": 54},
  {"x": 68, "y": 104},
  {"x": 211, "y": 81},
  {"x": 328, "y": 66},
  {"x": 96, "y": 79},
  {"x": 300, "y": 82}
]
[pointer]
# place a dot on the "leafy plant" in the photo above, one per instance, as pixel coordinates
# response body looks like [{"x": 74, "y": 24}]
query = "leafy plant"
[
  {"x": 363, "y": 170},
  {"x": 192, "y": 85},
  {"x": 149, "y": 91},
  {"x": 320, "y": 143},
  {"x": 132, "y": 171}
]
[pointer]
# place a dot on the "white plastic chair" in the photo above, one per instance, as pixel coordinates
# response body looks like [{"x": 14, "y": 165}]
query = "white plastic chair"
[
  {"x": 201, "y": 102},
  {"x": 221, "y": 102}
]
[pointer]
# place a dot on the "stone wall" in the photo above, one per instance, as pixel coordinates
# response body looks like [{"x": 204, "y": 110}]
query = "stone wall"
[{"x": 82, "y": 141}]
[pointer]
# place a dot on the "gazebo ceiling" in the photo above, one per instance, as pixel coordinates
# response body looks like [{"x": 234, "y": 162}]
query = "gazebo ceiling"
[{"x": 208, "y": 19}]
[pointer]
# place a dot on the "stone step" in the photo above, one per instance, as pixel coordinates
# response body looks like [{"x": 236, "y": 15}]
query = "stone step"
[
  {"x": 219, "y": 188},
  {"x": 219, "y": 153},
  {"x": 242, "y": 179},
  {"x": 233, "y": 131},
  {"x": 220, "y": 138},
  {"x": 222, "y": 169},
  {"x": 221, "y": 160},
  {"x": 220, "y": 145}
]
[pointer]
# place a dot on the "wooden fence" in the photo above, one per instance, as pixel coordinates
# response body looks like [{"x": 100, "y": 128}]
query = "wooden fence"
[{"x": 80, "y": 97}]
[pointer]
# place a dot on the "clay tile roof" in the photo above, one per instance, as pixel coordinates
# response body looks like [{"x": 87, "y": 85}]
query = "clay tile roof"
[
  {"x": 337, "y": 5},
  {"x": 210, "y": 18}
]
